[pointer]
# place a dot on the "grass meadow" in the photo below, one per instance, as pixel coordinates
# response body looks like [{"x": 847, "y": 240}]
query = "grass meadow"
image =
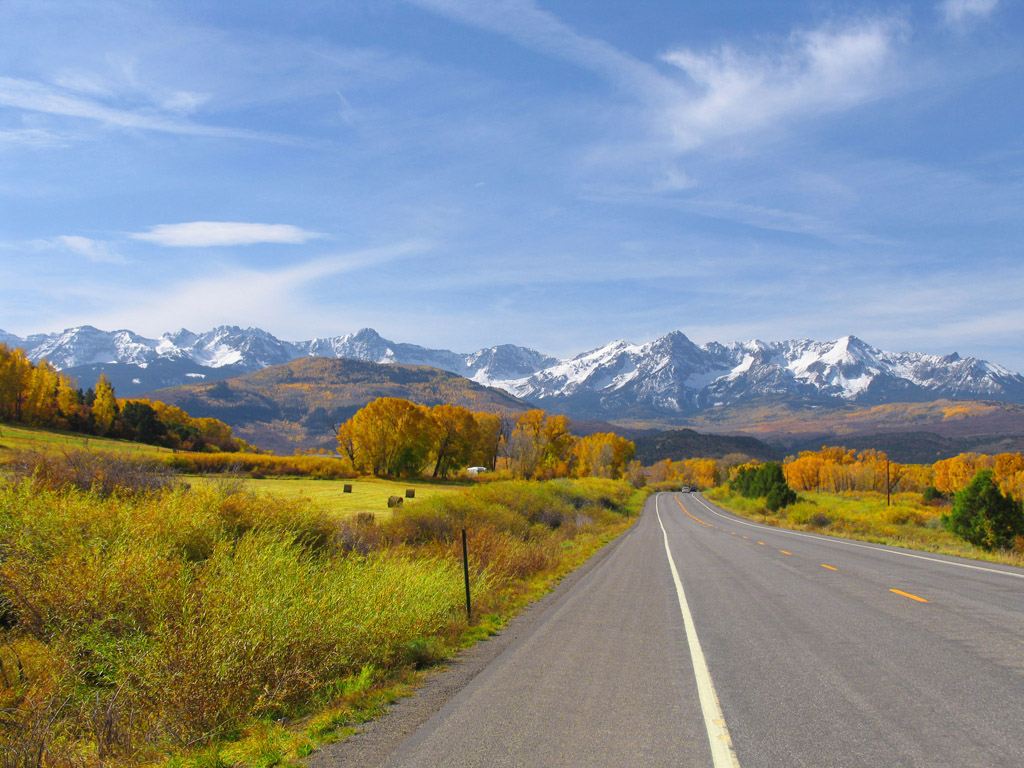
[
  {"x": 211, "y": 624},
  {"x": 368, "y": 495},
  {"x": 907, "y": 521},
  {"x": 15, "y": 438}
]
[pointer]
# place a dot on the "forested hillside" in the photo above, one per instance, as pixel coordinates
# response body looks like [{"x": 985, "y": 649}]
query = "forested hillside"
[
  {"x": 680, "y": 444},
  {"x": 300, "y": 404}
]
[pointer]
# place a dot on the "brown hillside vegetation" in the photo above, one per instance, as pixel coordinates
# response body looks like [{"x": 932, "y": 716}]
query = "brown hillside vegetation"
[
  {"x": 944, "y": 427},
  {"x": 299, "y": 405}
]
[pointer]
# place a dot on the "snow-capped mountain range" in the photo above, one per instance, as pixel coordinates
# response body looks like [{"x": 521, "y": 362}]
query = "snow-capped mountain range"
[{"x": 665, "y": 377}]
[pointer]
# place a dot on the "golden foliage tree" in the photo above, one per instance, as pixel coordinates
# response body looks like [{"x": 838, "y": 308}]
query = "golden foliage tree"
[
  {"x": 104, "y": 407},
  {"x": 540, "y": 445},
  {"x": 490, "y": 438},
  {"x": 603, "y": 454},
  {"x": 454, "y": 437},
  {"x": 391, "y": 436}
]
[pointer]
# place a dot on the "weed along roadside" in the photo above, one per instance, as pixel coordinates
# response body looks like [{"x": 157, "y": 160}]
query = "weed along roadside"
[{"x": 210, "y": 625}]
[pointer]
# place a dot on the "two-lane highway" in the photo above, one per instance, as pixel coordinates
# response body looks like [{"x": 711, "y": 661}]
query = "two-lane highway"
[
  {"x": 702, "y": 639},
  {"x": 828, "y": 652}
]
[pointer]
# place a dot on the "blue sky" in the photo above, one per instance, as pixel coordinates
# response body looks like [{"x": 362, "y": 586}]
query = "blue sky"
[{"x": 555, "y": 174}]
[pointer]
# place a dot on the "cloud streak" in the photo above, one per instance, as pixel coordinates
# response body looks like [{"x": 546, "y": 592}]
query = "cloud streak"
[
  {"x": 33, "y": 96},
  {"x": 959, "y": 12},
  {"x": 204, "y": 234},
  {"x": 275, "y": 298},
  {"x": 724, "y": 93},
  {"x": 523, "y": 22},
  {"x": 94, "y": 250},
  {"x": 819, "y": 72}
]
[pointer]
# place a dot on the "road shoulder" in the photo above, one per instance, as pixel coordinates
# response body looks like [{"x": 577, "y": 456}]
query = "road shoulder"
[{"x": 380, "y": 738}]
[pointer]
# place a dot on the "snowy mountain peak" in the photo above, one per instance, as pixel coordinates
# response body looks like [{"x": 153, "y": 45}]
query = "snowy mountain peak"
[
  {"x": 666, "y": 376},
  {"x": 86, "y": 345}
]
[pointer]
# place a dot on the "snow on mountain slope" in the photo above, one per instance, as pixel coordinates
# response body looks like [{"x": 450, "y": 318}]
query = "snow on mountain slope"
[
  {"x": 370, "y": 346},
  {"x": 668, "y": 375},
  {"x": 250, "y": 349},
  {"x": 87, "y": 345}
]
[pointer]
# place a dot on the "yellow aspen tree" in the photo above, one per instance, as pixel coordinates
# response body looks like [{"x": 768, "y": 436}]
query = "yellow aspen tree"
[
  {"x": 104, "y": 407},
  {"x": 489, "y": 439},
  {"x": 453, "y": 438}
]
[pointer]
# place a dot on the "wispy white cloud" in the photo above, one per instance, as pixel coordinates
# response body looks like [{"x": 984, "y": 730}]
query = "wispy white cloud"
[
  {"x": 202, "y": 234},
  {"x": 33, "y": 96},
  {"x": 724, "y": 93},
  {"x": 524, "y": 22},
  {"x": 817, "y": 72},
  {"x": 94, "y": 250},
  {"x": 184, "y": 102},
  {"x": 959, "y": 12},
  {"x": 29, "y": 137},
  {"x": 275, "y": 298}
]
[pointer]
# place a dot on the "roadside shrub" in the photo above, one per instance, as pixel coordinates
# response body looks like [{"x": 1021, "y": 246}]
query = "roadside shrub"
[
  {"x": 905, "y": 516},
  {"x": 102, "y": 473},
  {"x": 983, "y": 516},
  {"x": 358, "y": 533},
  {"x": 819, "y": 520},
  {"x": 779, "y": 496},
  {"x": 507, "y": 558},
  {"x": 260, "y": 465},
  {"x": 766, "y": 481}
]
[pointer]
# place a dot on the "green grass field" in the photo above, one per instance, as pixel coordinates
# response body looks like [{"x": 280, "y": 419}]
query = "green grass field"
[
  {"x": 18, "y": 437},
  {"x": 369, "y": 494}
]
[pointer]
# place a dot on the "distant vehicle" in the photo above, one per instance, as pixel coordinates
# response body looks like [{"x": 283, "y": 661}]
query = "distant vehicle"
[{"x": 685, "y": 489}]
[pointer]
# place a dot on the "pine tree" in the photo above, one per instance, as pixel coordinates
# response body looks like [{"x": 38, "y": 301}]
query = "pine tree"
[{"x": 983, "y": 516}]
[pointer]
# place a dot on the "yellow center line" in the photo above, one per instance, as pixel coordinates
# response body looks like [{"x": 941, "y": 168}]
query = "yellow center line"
[
  {"x": 785, "y": 552},
  {"x": 912, "y": 597},
  {"x": 831, "y": 568},
  {"x": 761, "y": 543},
  {"x": 689, "y": 514},
  {"x": 746, "y": 537}
]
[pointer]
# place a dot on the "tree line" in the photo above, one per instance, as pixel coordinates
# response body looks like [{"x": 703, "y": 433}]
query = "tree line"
[
  {"x": 394, "y": 437},
  {"x": 37, "y": 394},
  {"x": 836, "y": 470}
]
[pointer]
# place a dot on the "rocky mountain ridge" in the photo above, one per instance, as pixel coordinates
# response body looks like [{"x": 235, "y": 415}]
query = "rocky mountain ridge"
[{"x": 665, "y": 378}]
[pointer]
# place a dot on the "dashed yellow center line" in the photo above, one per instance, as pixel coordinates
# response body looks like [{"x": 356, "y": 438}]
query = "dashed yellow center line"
[
  {"x": 784, "y": 552},
  {"x": 912, "y": 597}
]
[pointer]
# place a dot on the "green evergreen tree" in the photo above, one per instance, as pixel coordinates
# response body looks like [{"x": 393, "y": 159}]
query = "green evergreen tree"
[
  {"x": 983, "y": 516},
  {"x": 767, "y": 481}
]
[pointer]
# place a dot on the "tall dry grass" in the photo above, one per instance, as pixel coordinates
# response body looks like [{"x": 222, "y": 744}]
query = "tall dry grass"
[{"x": 134, "y": 625}]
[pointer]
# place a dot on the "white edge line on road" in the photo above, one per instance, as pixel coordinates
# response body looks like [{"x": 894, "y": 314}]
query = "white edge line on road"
[
  {"x": 722, "y": 753},
  {"x": 847, "y": 542}
]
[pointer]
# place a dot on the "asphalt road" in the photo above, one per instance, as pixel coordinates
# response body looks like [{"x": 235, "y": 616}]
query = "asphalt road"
[{"x": 820, "y": 652}]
